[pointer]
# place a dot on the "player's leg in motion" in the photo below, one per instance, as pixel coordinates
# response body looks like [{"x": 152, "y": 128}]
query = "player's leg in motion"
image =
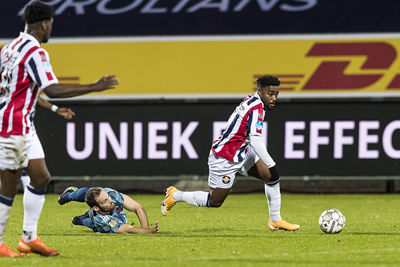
[
  {"x": 273, "y": 193},
  {"x": 220, "y": 180},
  {"x": 213, "y": 199},
  {"x": 8, "y": 189},
  {"x": 34, "y": 197},
  {"x": 66, "y": 196},
  {"x": 83, "y": 220},
  {"x": 73, "y": 194},
  {"x": 173, "y": 195}
]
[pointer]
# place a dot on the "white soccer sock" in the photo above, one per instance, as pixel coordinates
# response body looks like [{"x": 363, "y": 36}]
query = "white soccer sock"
[
  {"x": 273, "y": 194},
  {"x": 33, "y": 204},
  {"x": 4, "y": 215},
  {"x": 25, "y": 180},
  {"x": 197, "y": 198}
]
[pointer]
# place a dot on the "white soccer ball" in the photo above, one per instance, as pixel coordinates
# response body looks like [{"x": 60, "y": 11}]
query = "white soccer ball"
[{"x": 332, "y": 221}]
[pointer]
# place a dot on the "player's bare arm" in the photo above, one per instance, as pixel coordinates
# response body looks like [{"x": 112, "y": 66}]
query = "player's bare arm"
[
  {"x": 128, "y": 229},
  {"x": 67, "y": 113},
  {"x": 70, "y": 90},
  {"x": 134, "y": 206}
]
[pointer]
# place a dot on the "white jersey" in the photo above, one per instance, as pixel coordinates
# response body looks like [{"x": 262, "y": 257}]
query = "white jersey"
[{"x": 25, "y": 71}]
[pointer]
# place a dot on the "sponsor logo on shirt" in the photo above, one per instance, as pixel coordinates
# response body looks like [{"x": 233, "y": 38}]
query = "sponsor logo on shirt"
[
  {"x": 43, "y": 56},
  {"x": 259, "y": 125},
  {"x": 112, "y": 223}
]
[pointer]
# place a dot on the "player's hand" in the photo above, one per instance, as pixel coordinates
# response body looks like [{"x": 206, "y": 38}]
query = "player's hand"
[
  {"x": 106, "y": 82},
  {"x": 67, "y": 113},
  {"x": 155, "y": 228}
]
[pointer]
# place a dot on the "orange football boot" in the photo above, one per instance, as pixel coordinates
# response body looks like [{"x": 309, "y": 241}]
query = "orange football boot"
[
  {"x": 282, "y": 224},
  {"x": 36, "y": 246},
  {"x": 168, "y": 201},
  {"x": 5, "y": 251}
]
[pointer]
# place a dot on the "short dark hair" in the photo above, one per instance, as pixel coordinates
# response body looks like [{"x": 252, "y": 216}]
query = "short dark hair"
[
  {"x": 267, "y": 80},
  {"x": 37, "y": 11},
  {"x": 91, "y": 195}
]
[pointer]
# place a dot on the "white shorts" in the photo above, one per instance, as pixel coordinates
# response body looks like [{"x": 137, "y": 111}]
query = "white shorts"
[
  {"x": 14, "y": 152},
  {"x": 222, "y": 171},
  {"x": 36, "y": 151}
]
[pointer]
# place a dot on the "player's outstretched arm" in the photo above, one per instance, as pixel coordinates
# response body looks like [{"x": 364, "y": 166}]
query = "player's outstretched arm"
[
  {"x": 71, "y": 90},
  {"x": 67, "y": 113},
  {"x": 133, "y": 206},
  {"x": 128, "y": 229}
]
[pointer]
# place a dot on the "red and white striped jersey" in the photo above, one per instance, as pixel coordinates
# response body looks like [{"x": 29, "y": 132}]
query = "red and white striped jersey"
[
  {"x": 25, "y": 71},
  {"x": 246, "y": 120}
]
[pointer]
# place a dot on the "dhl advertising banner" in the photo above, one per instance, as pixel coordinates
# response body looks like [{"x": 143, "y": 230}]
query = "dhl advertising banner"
[{"x": 306, "y": 65}]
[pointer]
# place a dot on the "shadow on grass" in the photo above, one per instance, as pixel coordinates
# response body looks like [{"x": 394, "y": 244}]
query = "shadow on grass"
[
  {"x": 194, "y": 233},
  {"x": 174, "y": 235},
  {"x": 223, "y": 232},
  {"x": 297, "y": 261},
  {"x": 371, "y": 233},
  {"x": 72, "y": 234},
  {"x": 168, "y": 234}
]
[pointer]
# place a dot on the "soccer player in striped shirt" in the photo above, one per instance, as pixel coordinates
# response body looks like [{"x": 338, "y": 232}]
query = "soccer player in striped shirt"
[
  {"x": 241, "y": 149},
  {"x": 25, "y": 72}
]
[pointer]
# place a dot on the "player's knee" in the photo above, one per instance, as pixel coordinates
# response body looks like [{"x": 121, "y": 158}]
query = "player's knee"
[
  {"x": 9, "y": 191},
  {"x": 42, "y": 181},
  {"x": 45, "y": 181},
  {"x": 216, "y": 203},
  {"x": 274, "y": 174}
]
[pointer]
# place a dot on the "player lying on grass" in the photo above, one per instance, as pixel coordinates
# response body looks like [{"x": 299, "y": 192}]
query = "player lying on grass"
[
  {"x": 106, "y": 213},
  {"x": 241, "y": 149}
]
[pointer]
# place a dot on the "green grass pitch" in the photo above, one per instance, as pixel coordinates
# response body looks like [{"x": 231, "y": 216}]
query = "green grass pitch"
[{"x": 232, "y": 235}]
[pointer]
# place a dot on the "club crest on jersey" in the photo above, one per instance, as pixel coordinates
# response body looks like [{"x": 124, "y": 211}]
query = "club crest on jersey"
[
  {"x": 259, "y": 125},
  {"x": 112, "y": 223},
  {"x": 226, "y": 179}
]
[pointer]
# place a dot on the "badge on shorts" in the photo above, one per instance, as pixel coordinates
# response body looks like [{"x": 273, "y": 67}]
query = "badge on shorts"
[
  {"x": 226, "y": 179},
  {"x": 112, "y": 223}
]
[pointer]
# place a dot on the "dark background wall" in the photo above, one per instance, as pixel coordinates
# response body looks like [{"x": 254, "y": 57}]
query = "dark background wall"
[
  {"x": 139, "y": 139},
  {"x": 204, "y": 17}
]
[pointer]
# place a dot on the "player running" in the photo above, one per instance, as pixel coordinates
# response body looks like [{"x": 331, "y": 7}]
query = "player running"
[
  {"x": 106, "y": 213},
  {"x": 241, "y": 149},
  {"x": 25, "y": 72}
]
